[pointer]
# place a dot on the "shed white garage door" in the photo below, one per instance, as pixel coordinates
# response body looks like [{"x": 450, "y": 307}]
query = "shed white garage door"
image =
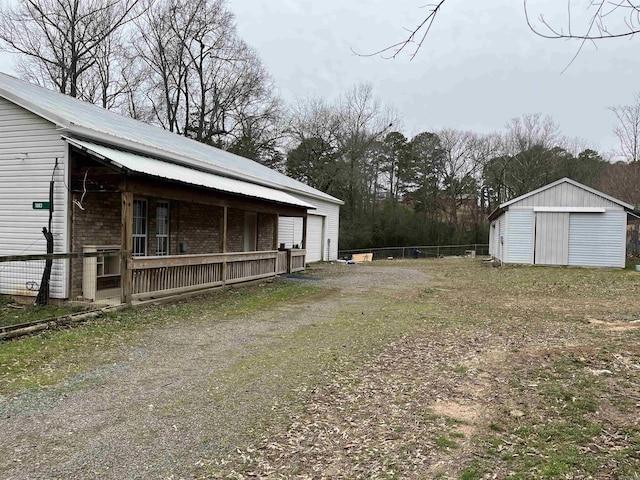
[
  {"x": 315, "y": 238},
  {"x": 597, "y": 239}
]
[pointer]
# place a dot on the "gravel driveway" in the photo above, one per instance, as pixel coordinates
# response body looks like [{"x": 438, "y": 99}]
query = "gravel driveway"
[{"x": 155, "y": 413}]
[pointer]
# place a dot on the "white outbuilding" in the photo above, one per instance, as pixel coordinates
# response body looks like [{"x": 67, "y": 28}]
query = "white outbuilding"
[{"x": 563, "y": 223}]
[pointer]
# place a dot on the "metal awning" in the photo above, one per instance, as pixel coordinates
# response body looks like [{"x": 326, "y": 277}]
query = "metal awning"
[{"x": 170, "y": 171}]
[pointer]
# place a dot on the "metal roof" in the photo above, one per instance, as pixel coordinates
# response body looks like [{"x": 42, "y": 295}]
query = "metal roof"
[
  {"x": 171, "y": 171},
  {"x": 88, "y": 121}
]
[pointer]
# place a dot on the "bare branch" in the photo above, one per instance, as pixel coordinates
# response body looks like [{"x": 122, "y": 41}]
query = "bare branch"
[{"x": 420, "y": 33}]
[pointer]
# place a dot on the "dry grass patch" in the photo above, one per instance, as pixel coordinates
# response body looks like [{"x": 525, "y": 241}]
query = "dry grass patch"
[{"x": 503, "y": 377}]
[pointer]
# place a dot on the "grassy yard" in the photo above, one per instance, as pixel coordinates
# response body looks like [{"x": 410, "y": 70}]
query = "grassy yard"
[
  {"x": 475, "y": 372},
  {"x": 48, "y": 358},
  {"x": 515, "y": 372}
]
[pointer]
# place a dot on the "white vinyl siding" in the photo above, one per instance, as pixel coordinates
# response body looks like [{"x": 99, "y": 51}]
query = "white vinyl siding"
[
  {"x": 597, "y": 239},
  {"x": 29, "y": 147},
  {"x": 315, "y": 234},
  {"x": 565, "y": 195},
  {"x": 520, "y": 236},
  {"x": 501, "y": 240},
  {"x": 290, "y": 231}
]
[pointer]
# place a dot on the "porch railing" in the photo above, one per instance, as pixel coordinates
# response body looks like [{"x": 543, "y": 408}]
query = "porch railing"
[
  {"x": 282, "y": 264},
  {"x": 297, "y": 260},
  {"x": 168, "y": 275}
]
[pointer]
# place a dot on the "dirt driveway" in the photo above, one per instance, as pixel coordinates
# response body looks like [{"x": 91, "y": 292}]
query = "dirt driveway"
[{"x": 171, "y": 404}]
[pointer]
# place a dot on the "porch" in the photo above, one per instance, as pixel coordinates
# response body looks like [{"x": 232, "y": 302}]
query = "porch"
[
  {"x": 153, "y": 277},
  {"x": 173, "y": 237}
]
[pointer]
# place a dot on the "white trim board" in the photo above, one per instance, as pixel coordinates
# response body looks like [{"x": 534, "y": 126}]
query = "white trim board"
[{"x": 570, "y": 209}]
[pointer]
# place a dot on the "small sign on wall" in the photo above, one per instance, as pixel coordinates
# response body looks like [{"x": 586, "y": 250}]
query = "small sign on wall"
[{"x": 40, "y": 205}]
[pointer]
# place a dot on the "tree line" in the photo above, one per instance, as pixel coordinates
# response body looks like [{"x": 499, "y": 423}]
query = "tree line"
[{"x": 181, "y": 64}]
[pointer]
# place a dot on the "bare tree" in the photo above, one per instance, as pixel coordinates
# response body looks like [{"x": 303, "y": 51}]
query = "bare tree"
[
  {"x": 627, "y": 129},
  {"x": 203, "y": 81},
  {"x": 459, "y": 172},
  {"x": 59, "y": 38},
  {"x": 528, "y": 140},
  {"x": 529, "y": 130}
]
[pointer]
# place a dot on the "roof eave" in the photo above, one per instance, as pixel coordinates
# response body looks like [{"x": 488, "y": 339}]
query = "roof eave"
[
  {"x": 34, "y": 108},
  {"x": 115, "y": 164},
  {"x": 496, "y": 213}
]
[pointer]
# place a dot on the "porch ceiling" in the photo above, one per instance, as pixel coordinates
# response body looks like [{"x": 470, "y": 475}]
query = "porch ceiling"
[{"x": 179, "y": 173}]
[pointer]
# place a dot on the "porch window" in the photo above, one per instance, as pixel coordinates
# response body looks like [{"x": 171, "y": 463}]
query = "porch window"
[
  {"x": 162, "y": 228},
  {"x": 139, "y": 228}
]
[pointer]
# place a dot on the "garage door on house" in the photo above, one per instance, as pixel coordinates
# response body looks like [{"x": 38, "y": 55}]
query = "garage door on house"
[{"x": 315, "y": 238}]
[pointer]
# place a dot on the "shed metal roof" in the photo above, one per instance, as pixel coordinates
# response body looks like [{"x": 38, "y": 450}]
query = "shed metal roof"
[
  {"x": 171, "y": 171},
  {"x": 88, "y": 121}
]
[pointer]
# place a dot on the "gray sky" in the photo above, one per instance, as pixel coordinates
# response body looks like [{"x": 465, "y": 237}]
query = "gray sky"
[{"x": 480, "y": 66}]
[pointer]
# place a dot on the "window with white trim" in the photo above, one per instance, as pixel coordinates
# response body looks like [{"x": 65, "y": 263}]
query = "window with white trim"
[
  {"x": 162, "y": 228},
  {"x": 139, "y": 228}
]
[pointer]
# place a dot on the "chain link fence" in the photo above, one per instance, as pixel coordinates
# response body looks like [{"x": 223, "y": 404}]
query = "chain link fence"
[{"x": 420, "y": 251}]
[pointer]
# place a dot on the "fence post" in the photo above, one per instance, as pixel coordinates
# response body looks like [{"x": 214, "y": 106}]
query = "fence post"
[
  {"x": 438, "y": 251},
  {"x": 289, "y": 260}
]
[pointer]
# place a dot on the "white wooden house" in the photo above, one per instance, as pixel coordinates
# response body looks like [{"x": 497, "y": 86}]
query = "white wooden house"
[
  {"x": 183, "y": 198},
  {"x": 563, "y": 223}
]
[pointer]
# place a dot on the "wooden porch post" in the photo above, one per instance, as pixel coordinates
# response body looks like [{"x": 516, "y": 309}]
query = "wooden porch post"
[
  {"x": 126, "y": 269},
  {"x": 224, "y": 245},
  {"x": 275, "y": 232},
  {"x": 304, "y": 232}
]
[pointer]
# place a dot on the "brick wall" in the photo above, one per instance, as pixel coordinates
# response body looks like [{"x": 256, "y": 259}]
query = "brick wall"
[
  {"x": 97, "y": 224},
  {"x": 266, "y": 225},
  {"x": 235, "y": 230},
  {"x": 196, "y": 226}
]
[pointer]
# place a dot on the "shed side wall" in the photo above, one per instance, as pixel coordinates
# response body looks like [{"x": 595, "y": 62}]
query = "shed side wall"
[{"x": 29, "y": 147}]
